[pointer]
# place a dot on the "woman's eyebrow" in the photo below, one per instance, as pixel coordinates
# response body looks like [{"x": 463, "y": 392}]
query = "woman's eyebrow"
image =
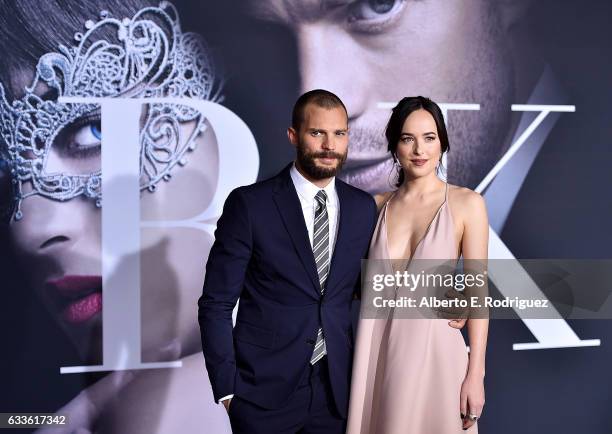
[{"x": 332, "y": 4}]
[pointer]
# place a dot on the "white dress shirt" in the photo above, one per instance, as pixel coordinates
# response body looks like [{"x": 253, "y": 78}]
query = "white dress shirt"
[{"x": 307, "y": 191}]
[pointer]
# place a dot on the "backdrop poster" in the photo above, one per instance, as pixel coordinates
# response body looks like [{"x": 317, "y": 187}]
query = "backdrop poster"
[{"x": 195, "y": 99}]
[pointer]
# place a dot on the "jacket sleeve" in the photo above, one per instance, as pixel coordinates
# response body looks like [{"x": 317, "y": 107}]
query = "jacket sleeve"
[
  {"x": 372, "y": 214},
  {"x": 225, "y": 273}
]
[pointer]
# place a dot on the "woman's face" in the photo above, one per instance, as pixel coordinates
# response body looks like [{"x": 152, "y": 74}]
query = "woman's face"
[
  {"x": 58, "y": 244},
  {"x": 419, "y": 149}
]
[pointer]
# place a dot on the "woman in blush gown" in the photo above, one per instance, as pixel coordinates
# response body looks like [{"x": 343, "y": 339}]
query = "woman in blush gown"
[{"x": 415, "y": 375}]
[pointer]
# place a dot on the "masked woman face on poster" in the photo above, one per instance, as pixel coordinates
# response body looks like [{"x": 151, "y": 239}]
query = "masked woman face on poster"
[{"x": 50, "y": 164}]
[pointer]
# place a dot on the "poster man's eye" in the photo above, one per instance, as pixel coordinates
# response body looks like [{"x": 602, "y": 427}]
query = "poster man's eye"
[{"x": 376, "y": 12}]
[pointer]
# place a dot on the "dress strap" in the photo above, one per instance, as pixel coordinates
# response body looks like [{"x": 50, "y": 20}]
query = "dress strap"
[
  {"x": 391, "y": 196},
  {"x": 384, "y": 205}
]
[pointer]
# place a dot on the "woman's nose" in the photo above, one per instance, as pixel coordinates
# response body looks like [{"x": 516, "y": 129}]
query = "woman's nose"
[
  {"x": 54, "y": 240},
  {"x": 49, "y": 225}
]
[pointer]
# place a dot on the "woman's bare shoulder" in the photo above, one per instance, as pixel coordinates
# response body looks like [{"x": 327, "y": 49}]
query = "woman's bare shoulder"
[
  {"x": 382, "y": 198},
  {"x": 465, "y": 201}
]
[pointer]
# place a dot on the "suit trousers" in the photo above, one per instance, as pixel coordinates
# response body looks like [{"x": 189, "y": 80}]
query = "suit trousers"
[{"x": 310, "y": 410}]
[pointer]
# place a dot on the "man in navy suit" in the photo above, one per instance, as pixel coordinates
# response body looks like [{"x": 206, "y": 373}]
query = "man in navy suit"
[{"x": 290, "y": 248}]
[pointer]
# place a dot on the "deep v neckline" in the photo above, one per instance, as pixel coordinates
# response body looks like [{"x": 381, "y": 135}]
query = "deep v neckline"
[{"x": 386, "y": 231}]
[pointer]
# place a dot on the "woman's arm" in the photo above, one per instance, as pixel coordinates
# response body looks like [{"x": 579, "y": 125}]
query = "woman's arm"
[{"x": 474, "y": 246}]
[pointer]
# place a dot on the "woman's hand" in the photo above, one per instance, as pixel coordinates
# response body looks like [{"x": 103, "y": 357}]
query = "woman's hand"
[
  {"x": 472, "y": 398},
  {"x": 83, "y": 411}
]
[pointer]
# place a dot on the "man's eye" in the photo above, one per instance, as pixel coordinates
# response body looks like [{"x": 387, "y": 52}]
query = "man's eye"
[
  {"x": 315, "y": 133},
  {"x": 377, "y": 12}
]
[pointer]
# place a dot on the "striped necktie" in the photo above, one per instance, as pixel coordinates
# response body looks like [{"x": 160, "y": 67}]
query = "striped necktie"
[{"x": 320, "y": 248}]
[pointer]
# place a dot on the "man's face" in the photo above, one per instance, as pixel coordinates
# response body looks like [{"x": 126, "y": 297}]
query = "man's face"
[
  {"x": 321, "y": 141},
  {"x": 373, "y": 51}
]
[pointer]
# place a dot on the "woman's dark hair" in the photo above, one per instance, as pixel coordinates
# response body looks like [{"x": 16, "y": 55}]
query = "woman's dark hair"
[
  {"x": 400, "y": 112},
  {"x": 31, "y": 28}
]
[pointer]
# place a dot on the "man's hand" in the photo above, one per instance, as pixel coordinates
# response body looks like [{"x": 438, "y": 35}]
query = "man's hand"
[
  {"x": 457, "y": 323},
  {"x": 226, "y": 404},
  {"x": 457, "y": 315}
]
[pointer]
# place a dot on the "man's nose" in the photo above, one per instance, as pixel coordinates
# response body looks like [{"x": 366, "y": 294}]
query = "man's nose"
[
  {"x": 328, "y": 144},
  {"x": 325, "y": 52}
]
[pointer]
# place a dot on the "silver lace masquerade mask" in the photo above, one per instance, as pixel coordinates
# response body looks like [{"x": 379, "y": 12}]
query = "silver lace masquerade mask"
[{"x": 148, "y": 56}]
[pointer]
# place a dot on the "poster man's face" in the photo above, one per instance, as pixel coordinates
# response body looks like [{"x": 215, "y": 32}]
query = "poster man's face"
[{"x": 372, "y": 51}]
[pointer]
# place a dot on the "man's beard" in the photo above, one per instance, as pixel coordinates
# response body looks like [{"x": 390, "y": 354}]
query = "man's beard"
[{"x": 306, "y": 161}]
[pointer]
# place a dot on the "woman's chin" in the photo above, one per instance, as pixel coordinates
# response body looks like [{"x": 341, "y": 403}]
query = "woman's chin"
[{"x": 86, "y": 337}]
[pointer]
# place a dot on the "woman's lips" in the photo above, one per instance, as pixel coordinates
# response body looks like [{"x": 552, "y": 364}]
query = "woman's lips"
[
  {"x": 418, "y": 161},
  {"x": 78, "y": 298},
  {"x": 83, "y": 309}
]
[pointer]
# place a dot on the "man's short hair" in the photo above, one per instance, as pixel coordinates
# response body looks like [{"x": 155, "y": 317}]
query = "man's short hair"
[{"x": 321, "y": 98}]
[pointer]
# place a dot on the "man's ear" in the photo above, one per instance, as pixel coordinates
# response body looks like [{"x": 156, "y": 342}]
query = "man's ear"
[
  {"x": 512, "y": 11},
  {"x": 292, "y": 135}
]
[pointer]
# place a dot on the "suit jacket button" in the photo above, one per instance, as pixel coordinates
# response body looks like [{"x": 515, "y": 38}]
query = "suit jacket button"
[{"x": 310, "y": 341}]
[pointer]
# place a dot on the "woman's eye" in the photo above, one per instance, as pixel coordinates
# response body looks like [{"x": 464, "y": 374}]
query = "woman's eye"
[
  {"x": 429, "y": 139},
  {"x": 374, "y": 11},
  {"x": 406, "y": 139},
  {"x": 77, "y": 147},
  {"x": 82, "y": 139},
  {"x": 87, "y": 135}
]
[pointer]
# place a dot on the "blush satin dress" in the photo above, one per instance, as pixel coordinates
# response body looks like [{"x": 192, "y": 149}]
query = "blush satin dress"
[{"x": 407, "y": 373}]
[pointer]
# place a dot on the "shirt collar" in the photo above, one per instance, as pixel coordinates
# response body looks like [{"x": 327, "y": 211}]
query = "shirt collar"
[{"x": 308, "y": 190}]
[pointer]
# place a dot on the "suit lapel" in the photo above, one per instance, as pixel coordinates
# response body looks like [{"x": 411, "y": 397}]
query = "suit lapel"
[
  {"x": 338, "y": 260},
  {"x": 290, "y": 210}
]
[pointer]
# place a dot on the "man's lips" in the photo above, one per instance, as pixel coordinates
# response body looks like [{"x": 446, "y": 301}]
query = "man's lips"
[
  {"x": 328, "y": 160},
  {"x": 375, "y": 177},
  {"x": 78, "y": 298},
  {"x": 363, "y": 161}
]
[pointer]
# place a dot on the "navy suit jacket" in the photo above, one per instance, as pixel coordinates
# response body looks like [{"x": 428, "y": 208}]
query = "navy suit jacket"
[{"x": 262, "y": 255}]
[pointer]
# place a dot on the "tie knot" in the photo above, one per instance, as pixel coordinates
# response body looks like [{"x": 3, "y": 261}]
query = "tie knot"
[{"x": 321, "y": 197}]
